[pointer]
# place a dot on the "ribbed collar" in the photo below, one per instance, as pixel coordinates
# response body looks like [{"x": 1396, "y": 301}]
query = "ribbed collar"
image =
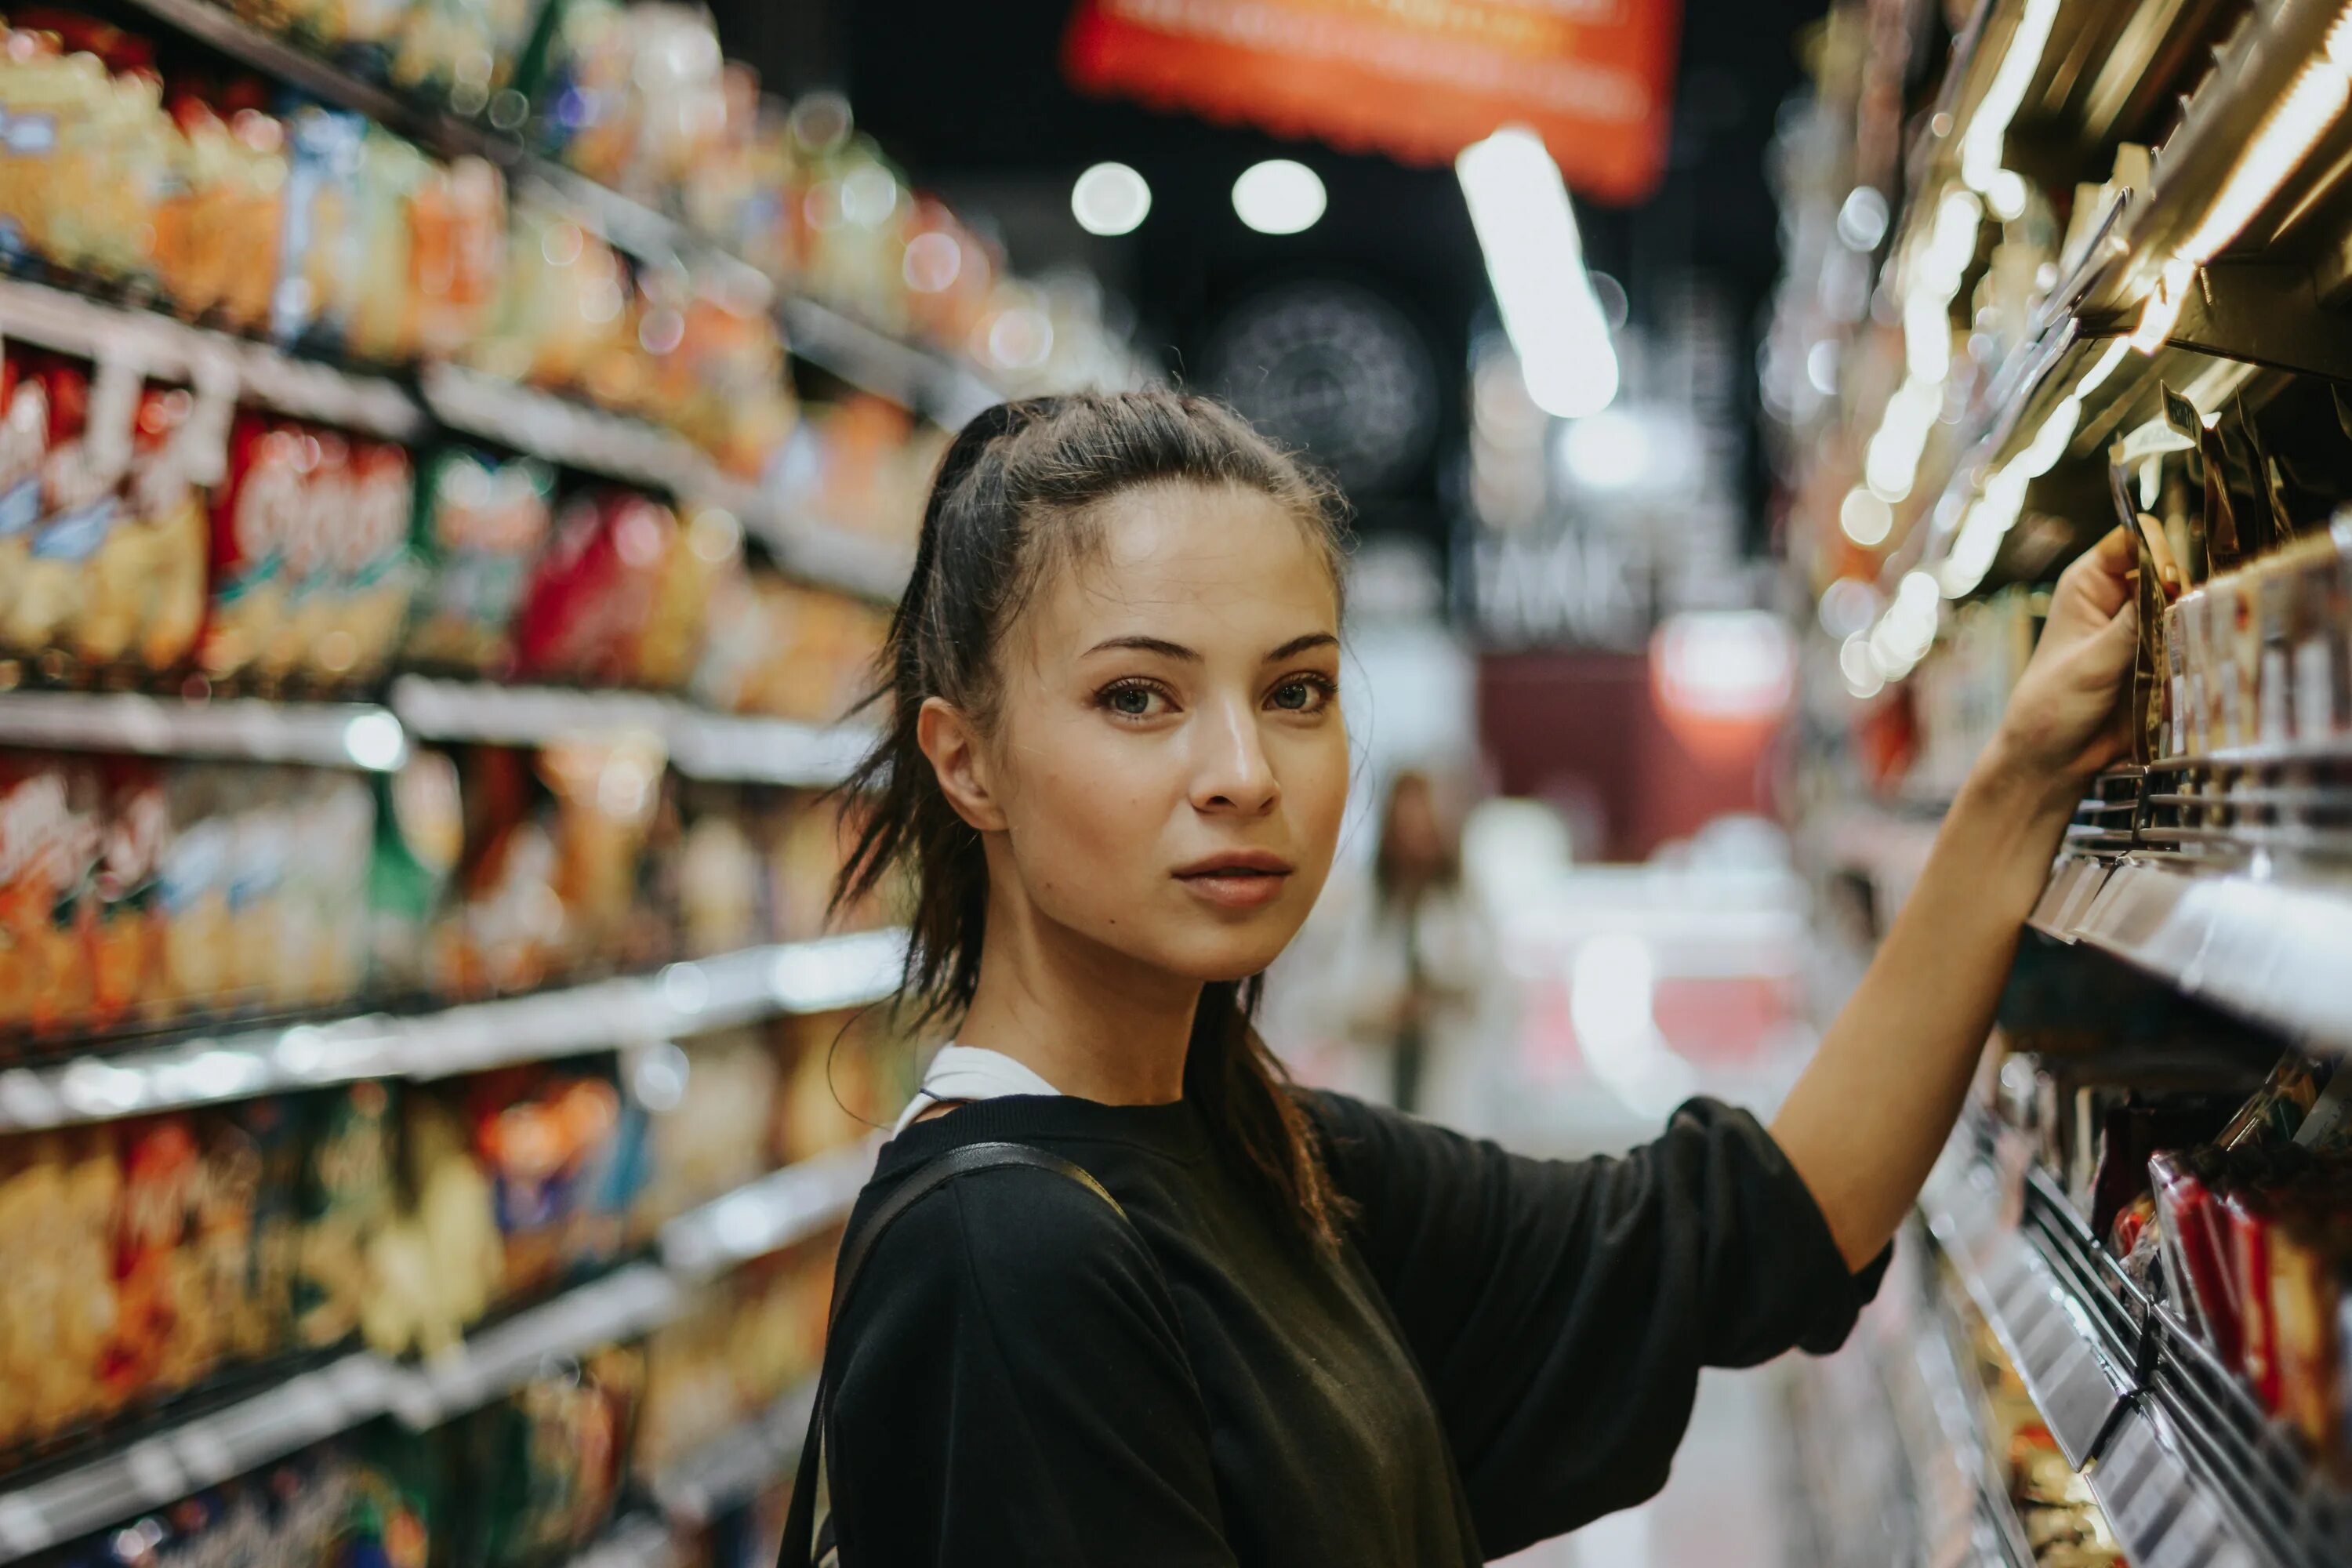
[{"x": 1174, "y": 1130}]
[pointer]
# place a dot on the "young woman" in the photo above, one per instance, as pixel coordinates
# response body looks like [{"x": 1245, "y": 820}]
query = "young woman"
[{"x": 1319, "y": 1333}]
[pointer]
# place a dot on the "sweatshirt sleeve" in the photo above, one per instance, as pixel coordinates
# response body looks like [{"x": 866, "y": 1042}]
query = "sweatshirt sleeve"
[
  {"x": 1561, "y": 1310},
  {"x": 1012, "y": 1388}
]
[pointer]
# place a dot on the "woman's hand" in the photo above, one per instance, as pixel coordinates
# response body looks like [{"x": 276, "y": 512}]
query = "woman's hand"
[{"x": 2067, "y": 719}]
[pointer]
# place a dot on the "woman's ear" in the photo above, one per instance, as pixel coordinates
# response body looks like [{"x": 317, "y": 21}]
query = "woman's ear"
[{"x": 960, "y": 763}]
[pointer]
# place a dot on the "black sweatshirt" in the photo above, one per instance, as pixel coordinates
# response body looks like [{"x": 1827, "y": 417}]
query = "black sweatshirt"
[{"x": 1506, "y": 1348}]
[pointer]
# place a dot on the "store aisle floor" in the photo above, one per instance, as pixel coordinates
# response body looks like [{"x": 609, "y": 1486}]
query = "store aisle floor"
[{"x": 1724, "y": 1506}]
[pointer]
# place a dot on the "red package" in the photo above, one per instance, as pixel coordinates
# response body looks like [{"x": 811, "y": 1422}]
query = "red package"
[
  {"x": 2195, "y": 1259},
  {"x": 156, "y": 1345},
  {"x": 2250, "y": 1222},
  {"x": 595, "y": 589},
  {"x": 257, "y": 510}
]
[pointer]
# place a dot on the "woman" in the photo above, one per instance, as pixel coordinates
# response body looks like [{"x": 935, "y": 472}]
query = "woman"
[
  {"x": 1312, "y": 1332},
  {"x": 1409, "y": 977}
]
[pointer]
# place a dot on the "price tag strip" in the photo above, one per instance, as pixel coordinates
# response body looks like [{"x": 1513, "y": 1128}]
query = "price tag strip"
[{"x": 2158, "y": 1511}]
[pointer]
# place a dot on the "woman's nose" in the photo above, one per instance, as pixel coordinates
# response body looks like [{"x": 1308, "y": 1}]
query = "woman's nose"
[{"x": 1233, "y": 772}]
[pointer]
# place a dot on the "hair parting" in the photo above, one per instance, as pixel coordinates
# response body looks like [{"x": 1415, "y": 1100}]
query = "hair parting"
[{"x": 1011, "y": 503}]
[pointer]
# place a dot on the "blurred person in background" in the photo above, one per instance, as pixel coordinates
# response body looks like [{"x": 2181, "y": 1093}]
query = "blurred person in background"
[{"x": 1413, "y": 974}]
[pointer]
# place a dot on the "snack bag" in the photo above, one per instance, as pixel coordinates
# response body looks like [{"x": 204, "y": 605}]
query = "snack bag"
[
  {"x": 2196, "y": 1258},
  {"x": 228, "y": 209},
  {"x": 420, "y": 834},
  {"x": 457, "y": 217},
  {"x": 607, "y": 794},
  {"x": 708, "y": 547},
  {"x": 505, "y": 928},
  {"x": 331, "y": 821},
  {"x": 257, "y": 513},
  {"x": 321, "y": 260},
  {"x": 157, "y": 1344},
  {"x": 347, "y": 1196},
  {"x": 144, "y": 598},
  {"x": 376, "y": 574},
  {"x": 481, "y": 525},
  {"x": 88, "y": 452},
  {"x": 535, "y": 1137},
  {"x": 49, "y": 852},
  {"x": 595, "y": 589},
  {"x": 127, "y": 946},
  {"x": 58, "y": 1205},
  {"x": 273, "y": 1132},
  {"x": 195, "y": 883},
  {"x": 311, "y": 558}
]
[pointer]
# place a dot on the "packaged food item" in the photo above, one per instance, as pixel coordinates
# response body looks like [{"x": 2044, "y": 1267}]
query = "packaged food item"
[
  {"x": 2197, "y": 1259},
  {"x": 227, "y": 209},
  {"x": 346, "y": 1198},
  {"x": 420, "y": 835},
  {"x": 50, "y": 847},
  {"x": 436, "y": 1267},
  {"x": 57, "y": 1207},
  {"x": 127, "y": 961},
  {"x": 606, "y": 796},
  {"x": 716, "y": 1136},
  {"x": 90, "y": 411},
  {"x": 196, "y": 882},
  {"x": 144, "y": 602},
  {"x": 160, "y": 1342},
  {"x": 481, "y": 523},
  {"x": 375, "y": 575},
  {"x": 258, "y": 519},
  {"x": 721, "y": 889},
  {"x": 537, "y": 1135},
  {"x": 596, "y": 588},
  {"x": 261, "y": 918},
  {"x": 544, "y": 1466}
]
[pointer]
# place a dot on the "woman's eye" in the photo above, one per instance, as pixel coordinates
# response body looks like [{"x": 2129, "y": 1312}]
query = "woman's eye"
[
  {"x": 1301, "y": 695},
  {"x": 1134, "y": 701}
]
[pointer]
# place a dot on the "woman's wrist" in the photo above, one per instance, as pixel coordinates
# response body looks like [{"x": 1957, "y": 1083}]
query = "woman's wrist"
[{"x": 2013, "y": 780}]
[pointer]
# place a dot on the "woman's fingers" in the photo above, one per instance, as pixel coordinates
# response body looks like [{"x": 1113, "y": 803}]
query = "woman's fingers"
[{"x": 2100, "y": 578}]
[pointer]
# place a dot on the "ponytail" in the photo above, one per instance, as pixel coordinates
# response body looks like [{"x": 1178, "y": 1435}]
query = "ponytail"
[{"x": 1008, "y": 505}]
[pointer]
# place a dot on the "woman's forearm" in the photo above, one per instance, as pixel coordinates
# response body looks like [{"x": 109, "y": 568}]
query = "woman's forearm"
[{"x": 1865, "y": 1122}]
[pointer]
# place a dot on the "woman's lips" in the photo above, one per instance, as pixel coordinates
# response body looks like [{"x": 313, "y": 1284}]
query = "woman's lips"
[{"x": 1239, "y": 882}]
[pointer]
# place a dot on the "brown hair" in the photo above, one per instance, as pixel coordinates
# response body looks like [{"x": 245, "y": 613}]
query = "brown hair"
[{"x": 1015, "y": 497}]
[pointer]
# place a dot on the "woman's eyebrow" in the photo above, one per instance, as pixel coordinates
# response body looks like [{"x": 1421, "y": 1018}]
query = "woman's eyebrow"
[
  {"x": 1139, "y": 644},
  {"x": 1297, "y": 646}
]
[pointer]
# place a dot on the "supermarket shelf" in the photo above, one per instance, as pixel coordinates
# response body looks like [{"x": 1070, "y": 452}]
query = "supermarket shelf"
[
  {"x": 328, "y": 735},
  {"x": 574, "y": 434},
  {"x": 683, "y": 999},
  {"x": 2078, "y": 1382},
  {"x": 499, "y": 1360},
  {"x": 734, "y": 1469},
  {"x": 201, "y": 1452},
  {"x": 2246, "y": 940},
  {"x": 2187, "y": 1467},
  {"x": 926, "y": 382},
  {"x": 701, "y": 745},
  {"x": 767, "y": 1216},
  {"x": 171, "y": 349}
]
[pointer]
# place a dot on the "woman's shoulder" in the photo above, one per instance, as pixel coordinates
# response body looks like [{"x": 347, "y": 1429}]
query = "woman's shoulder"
[{"x": 1002, "y": 1234}]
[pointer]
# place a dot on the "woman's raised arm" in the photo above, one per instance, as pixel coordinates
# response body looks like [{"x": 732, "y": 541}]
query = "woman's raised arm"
[{"x": 1865, "y": 1121}]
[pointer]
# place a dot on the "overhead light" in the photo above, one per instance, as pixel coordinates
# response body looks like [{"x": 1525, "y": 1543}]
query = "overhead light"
[
  {"x": 1279, "y": 196},
  {"x": 1110, "y": 199},
  {"x": 1862, "y": 220},
  {"x": 1518, "y": 204},
  {"x": 1606, "y": 451},
  {"x": 1866, "y": 520},
  {"x": 1981, "y": 145}
]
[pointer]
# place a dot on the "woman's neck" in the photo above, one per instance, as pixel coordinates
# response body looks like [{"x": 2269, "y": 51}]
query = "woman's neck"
[{"x": 1094, "y": 1024}]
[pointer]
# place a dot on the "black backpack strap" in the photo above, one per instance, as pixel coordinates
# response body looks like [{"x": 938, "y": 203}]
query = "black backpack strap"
[{"x": 805, "y": 1542}]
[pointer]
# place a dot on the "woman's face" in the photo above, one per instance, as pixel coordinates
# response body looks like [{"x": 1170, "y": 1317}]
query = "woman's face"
[{"x": 1169, "y": 766}]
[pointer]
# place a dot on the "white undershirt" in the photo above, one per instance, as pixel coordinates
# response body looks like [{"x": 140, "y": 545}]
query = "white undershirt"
[{"x": 969, "y": 1073}]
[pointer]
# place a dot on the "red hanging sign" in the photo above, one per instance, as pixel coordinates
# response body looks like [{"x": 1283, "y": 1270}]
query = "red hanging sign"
[{"x": 1418, "y": 79}]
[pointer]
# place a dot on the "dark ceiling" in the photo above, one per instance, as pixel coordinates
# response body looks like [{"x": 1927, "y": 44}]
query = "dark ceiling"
[{"x": 970, "y": 99}]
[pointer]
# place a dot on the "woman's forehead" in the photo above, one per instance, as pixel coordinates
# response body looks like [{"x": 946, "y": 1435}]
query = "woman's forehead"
[{"x": 1211, "y": 560}]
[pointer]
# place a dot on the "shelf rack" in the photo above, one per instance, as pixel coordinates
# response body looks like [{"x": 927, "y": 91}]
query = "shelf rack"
[
  {"x": 2188, "y": 1468},
  {"x": 824, "y": 976},
  {"x": 157, "y": 1467}
]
